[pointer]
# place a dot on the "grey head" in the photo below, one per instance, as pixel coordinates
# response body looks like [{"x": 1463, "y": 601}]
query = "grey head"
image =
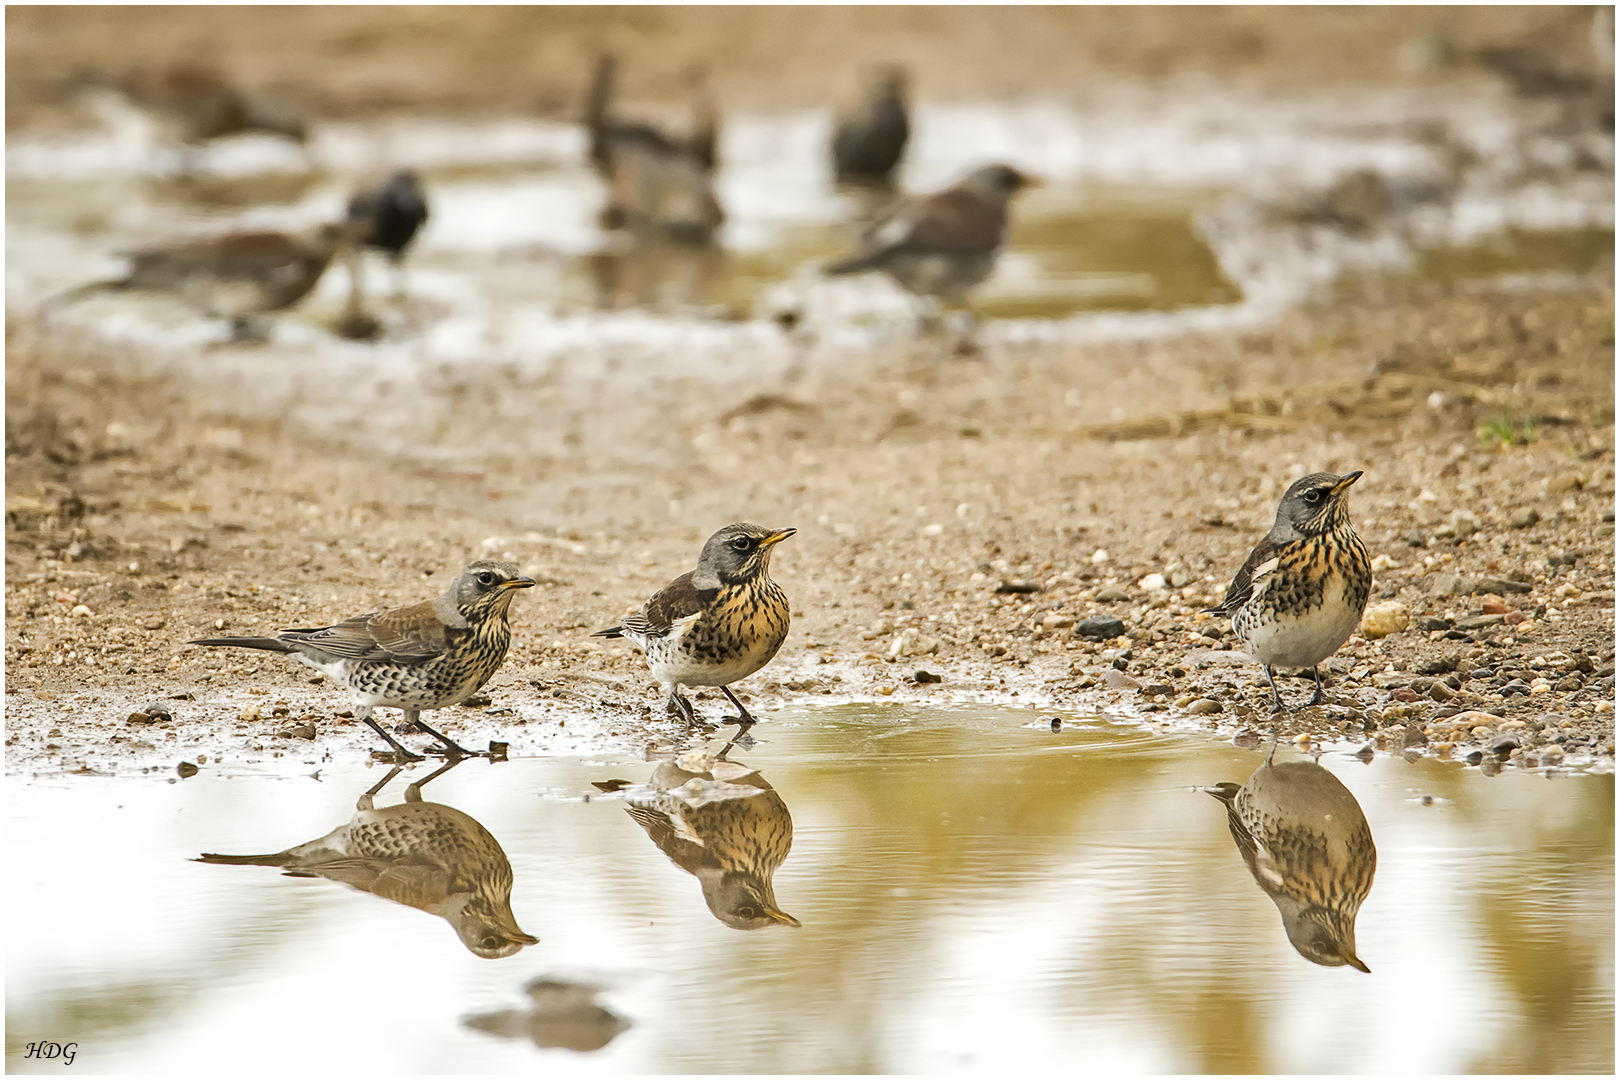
[
  {"x": 737, "y": 554},
  {"x": 1313, "y": 505},
  {"x": 742, "y": 900},
  {"x": 482, "y": 590},
  {"x": 488, "y": 928},
  {"x": 1321, "y": 935},
  {"x": 998, "y": 183}
]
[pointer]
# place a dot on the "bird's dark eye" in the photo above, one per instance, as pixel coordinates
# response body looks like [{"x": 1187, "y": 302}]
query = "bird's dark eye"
[
  {"x": 491, "y": 941},
  {"x": 486, "y": 578},
  {"x": 1314, "y": 495},
  {"x": 747, "y": 911},
  {"x": 742, "y": 543}
]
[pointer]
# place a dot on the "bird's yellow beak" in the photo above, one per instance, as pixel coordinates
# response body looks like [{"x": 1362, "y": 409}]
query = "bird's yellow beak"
[
  {"x": 518, "y": 583},
  {"x": 1345, "y": 481},
  {"x": 1355, "y": 961},
  {"x": 779, "y": 915},
  {"x": 777, "y": 537}
]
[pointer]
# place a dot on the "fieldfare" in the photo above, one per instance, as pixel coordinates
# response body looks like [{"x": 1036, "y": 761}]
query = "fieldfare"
[
  {"x": 658, "y": 184},
  {"x": 943, "y": 244},
  {"x": 1305, "y": 840},
  {"x": 424, "y": 855},
  {"x": 426, "y": 656},
  {"x": 725, "y": 825},
  {"x": 234, "y": 276},
  {"x": 1301, "y": 593},
  {"x": 717, "y": 624}
]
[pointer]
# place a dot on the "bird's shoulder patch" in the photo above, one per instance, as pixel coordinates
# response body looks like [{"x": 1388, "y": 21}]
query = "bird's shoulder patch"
[
  {"x": 676, "y": 604},
  {"x": 1251, "y": 578}
]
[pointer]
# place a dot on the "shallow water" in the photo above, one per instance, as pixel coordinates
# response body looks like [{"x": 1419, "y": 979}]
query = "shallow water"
[{"x": 976, "y": 892}]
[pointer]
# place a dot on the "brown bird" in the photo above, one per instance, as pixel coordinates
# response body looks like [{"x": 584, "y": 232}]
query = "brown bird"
[
  {"x": 725, "y": 825},
  {"x": 717, "y": 624},
  {"x": 1305, "y": 840},
  {"x": 421, "y": 854},
  {"x": 234, "y": 276},
  {"x": 1302, "y": 591},
  {"x": 943, "y": 244},
  {"x": 427, "y": 656},
  {"x": 657, "y": 183}
]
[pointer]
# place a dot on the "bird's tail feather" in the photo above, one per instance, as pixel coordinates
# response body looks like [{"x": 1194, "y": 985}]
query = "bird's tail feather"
[
  {"x": 270, "y": 643},
  {"x": 852, "y": 265},
  {"x": 281, "y": 858}
]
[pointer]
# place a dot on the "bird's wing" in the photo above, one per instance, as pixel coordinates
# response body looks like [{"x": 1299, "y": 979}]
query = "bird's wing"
[
  {"x": 680, "y": 599},
  {"x": 1251, "y": 579},
  {"x": 953, "y": 220},
  {"x": 407, "y": 635}
]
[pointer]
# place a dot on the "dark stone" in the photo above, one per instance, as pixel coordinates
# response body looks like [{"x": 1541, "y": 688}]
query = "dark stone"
[
  {"x": 1482, "y": 673},
  {"x": 1432, "y": 623},
  {"x": 1568, "y": 683},
  {"x": 1121, "y": 664},
  {"x": 1479, "y": 622},
  {"x": 1019, "y": 587},
  {"x": 1500, "y": 586},
  {"x": 1158, "y": 688},
  {"x": 186, "y": 769},
  {"x": 1474, "y": 757},
  {"x": 1416, "y": 539},
  {"x": 157, "y": 710},
  {"x": 1177, "y": 672},
  {"x": 927, "y": 676},
  {"x": 1099, "y": 628},
  {"x": 1515, "y": 687},
  {"x": 476, "y": 701},
  {"x": 1458, "y": 635},
  {"x": 1057, "y": 723},
  {"x": 1503, "y": 745},
  {"x": 1439, "y": 667}
]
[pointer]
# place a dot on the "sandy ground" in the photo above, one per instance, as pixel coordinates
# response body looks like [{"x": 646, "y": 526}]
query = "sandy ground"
[{"x": 924, "y": 485}]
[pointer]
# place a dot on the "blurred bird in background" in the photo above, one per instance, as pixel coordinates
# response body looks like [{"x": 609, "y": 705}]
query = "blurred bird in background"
[
  {"x": 724, "y": 824},
  {"x": 385, "y": 216},
  {"x": 236, "y": 276},
  {"x": 1305, "y": 840},
  {"x": 938, "y": 246},
  {"x": 657, "y": 183},
  {"x": 424, "y": 855},
  {"x": 869, "y": 142}
]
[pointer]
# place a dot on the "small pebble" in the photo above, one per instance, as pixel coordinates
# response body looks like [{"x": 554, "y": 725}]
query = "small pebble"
[
  {"x": 185, "y": 769},
  {"x": 1099, "y": 628},
  {"x": 1057, "y": 723},
  {"x": 1523, "y": 517},
  {"x": 1204, "y": 707}
]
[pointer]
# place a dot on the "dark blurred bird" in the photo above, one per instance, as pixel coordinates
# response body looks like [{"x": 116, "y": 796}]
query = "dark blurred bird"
[
  {"x": 1302, "y": 591},
  {"x": 234, "y": 276},
  {"x": 424, "y": 855},
  {"x": 561, "y": 1014},
  {"x": 717, "y": 624},
  {"x": 656, "y": 182},
  {"x": 427, "y": 656},
  {"x": 869, "y": 143},
  {"x": 943, "y": 244},
  {"x": 1305, "y": 840},
  {"x": 388, "y": 216},
  {"x": 725, "y": 825}
]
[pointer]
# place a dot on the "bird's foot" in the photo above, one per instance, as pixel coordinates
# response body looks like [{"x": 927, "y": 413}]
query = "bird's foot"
[
  {"x": 400, "y": 755},
  {"x": 451, "y": 749}
]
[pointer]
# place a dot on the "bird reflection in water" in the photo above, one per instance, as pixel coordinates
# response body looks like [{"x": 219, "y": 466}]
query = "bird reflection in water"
[
  {"x": 1307, "y": 843},
  {"x": 724, "y": 824},
  {"x": 421, "y": 854},
  {"x": 561, "y": 1015}
]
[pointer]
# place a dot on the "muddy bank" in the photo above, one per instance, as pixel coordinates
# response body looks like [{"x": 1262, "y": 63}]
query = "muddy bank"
[{"x": 931, "y": 491}]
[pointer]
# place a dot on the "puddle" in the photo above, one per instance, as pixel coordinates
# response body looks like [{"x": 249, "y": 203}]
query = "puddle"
[{"x": 974, "y": 892}]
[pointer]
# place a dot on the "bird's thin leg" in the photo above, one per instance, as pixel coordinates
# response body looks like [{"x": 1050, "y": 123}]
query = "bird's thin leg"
[
  {"x": 744, "y": 718},
  {"x": 399, "y": 751},
  {"x": 364, "y": 802},
  {"x": 682, "y": 706},
  {"x": 1317, "y": 698},
  {"x": 413, "y": 716},
  {"x": 1276, "y": 698},
  {"x": 413, "y": 793}
]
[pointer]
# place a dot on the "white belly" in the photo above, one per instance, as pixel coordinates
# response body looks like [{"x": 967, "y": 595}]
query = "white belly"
[{"x": 1307, "y": 641}]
